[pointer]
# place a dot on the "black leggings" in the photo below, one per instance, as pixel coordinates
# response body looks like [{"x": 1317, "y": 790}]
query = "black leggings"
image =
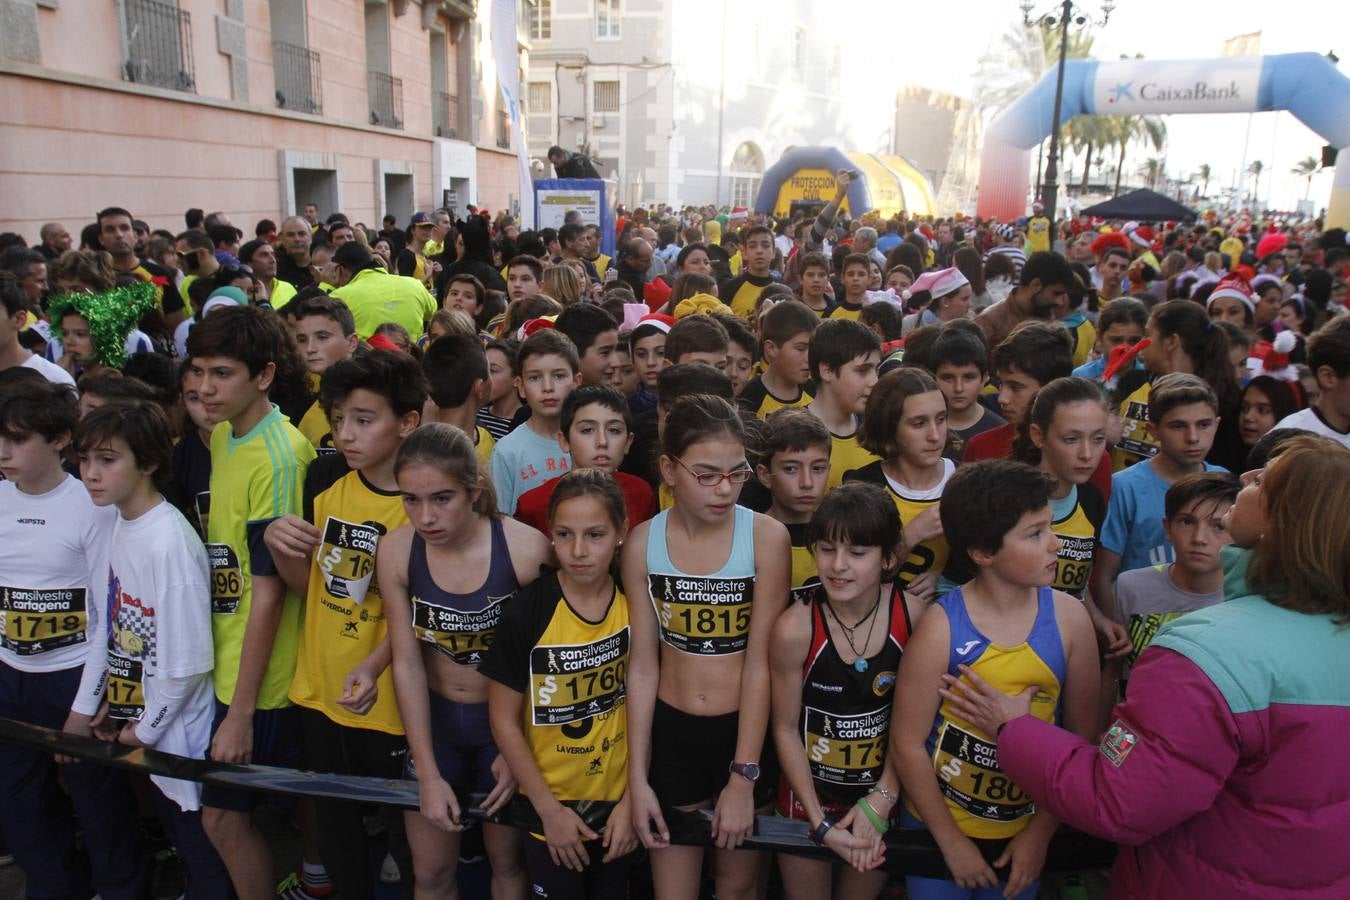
[{"x": 600, "y": 881}]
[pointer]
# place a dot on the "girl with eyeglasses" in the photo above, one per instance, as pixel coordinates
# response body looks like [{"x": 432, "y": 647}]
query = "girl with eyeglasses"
[{"x": 705, "y": 580}]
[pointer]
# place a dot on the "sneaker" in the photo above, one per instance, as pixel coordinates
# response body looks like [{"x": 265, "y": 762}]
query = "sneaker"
[
  {"x": 292, "y": 888},
  {"x": 389, "y": 873}
]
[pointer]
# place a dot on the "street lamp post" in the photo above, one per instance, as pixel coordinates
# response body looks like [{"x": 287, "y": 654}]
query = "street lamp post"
[{"x": 1049, "y": 189}]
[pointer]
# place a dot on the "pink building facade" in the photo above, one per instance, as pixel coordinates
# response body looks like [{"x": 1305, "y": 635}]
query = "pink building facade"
[{"x": 251, "y": 107}]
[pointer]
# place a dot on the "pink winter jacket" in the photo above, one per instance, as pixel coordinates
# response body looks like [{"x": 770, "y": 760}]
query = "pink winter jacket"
[{"x": 1226, "y": 773}]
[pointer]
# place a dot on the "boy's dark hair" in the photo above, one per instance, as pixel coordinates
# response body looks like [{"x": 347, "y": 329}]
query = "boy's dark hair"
[
  {"x": 815, "y": 260},
  {"x": 886, "y": 408},
  {"x": 222, "y": 234},
  {"x": 838, "y": 342},
  {"x": 158, "y": 372},
  {"x": 696, "y": 334},
  {"x": 1330, "y": 346},
  {"x": 604, "y": 394},
  {"x": 684, "y": 379},
  {"x": 244, "y": 333},
  {"x": 1122, "y": 309},
  {"x": 479, "y": 292},
  {"x": 1214, "y": 487},
  {"x": 494, "y": 305},
  {"x": 583, "y": 323},
  {"x": 12, "y": 295},
  {"x": 544, "y": 342},
  {"x": 860, "y": 514},
  {"x": 959, "y": 348},
  {"x": 530, "y": 262},
  {"x": 1050, "y": 268},
  {"x": 855, "y": 259},
  {"x": 114, "y": 387},
  {"x": 328, "y": 307},
  {"x": 754, "y": 231},
  {"x": 788, "y": 320},
  {"x": 452, "y": 364},
  {"x": 393, "y": 375},
  {"x": 1269, "y": 445},
  {"x": 143, "y": 426},
  {"x": 791, "y": 430},
  {"x": 1040, "y": 350},
  {"x": 883, "y": 319},
  {"x": 31, "y": 405},
  {"x": 196, "y": 240},
  {"x": 984, "y": 501},
  {"x": 1178, "y": 389},
  {"x": 739, "y": 333}
]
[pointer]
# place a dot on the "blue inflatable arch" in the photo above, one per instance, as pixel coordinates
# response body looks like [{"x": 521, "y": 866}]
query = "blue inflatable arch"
[{"x": 1306, "y": 84}]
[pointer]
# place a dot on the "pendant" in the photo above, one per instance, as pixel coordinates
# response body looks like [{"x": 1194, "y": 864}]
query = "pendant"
[{"x": 860, "y": 665}]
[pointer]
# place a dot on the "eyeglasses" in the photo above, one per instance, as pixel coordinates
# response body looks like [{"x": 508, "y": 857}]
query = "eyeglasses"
[{"x": 713, "y": 479}]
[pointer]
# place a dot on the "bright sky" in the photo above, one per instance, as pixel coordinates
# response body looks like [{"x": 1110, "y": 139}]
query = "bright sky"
[{"x": 941, "y": 54}]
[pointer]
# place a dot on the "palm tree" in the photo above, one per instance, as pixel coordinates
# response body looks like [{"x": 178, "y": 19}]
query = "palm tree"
[
  {"x": 1307, "y": 168},
  {"x": 1086, "y": 134},
  {"x": 1128, "y": 129},
  {"x": 1255, "y": 170},
  {"x": 1151, "y": 171},
  {"x": 1204, "y": 174}
]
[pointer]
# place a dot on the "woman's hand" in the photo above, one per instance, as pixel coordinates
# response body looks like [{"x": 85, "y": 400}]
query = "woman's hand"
[
  {"x": 438, "y": 804},
  {"x": 924, "y": 527},
  {"x": 292, "y": 536},
  {"x": 983, "y": 705},
  {"x": 503, "y": 790},
  {"x": 967, "y": 865},
  {"x": 863, "y": 850},
  {"x": 734, "y": 816},
  {"x": 648, "y": 821},
  {"x": 360, "y": 689},
  {"x": 566, "y": 835},
  {"x": 620, "y": 836},
  {"x": 1026, "y": 853}
]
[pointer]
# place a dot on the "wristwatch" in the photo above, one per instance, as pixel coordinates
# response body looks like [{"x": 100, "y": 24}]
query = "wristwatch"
[
  {"x": 748, "y": 771},
  {"x": 817, "y": 835}
]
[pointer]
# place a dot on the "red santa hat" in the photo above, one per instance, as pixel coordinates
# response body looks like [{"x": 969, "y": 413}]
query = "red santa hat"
[
  {"x": 1274, "y": 357},
  {"x": 1234, "y": 285},
  {"x": 1143, "y": 236},
  {"x": 656, "y": 293},
  {"x": 660, "y": 321},
  {"x": 1271, "y": 242}
]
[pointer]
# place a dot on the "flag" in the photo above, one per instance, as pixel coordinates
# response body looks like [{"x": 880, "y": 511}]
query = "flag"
[{"x": 1242, "y": 45}]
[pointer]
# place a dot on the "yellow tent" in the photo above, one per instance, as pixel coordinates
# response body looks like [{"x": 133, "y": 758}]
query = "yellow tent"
[{"x": 889, "y": 184}]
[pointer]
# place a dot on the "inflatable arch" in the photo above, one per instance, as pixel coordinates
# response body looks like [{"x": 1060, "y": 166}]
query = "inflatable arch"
[
  {"x": 889, "y": 184},
  {"x": 1306, "y": 84}
]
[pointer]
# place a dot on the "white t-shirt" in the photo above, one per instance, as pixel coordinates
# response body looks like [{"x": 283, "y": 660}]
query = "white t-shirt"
[
  {"x": 53, "y": 571},
  {"x": 49, "y": 370},
  {"x": 158, "y": 639},
  {"x": 1309, "y": 420}
]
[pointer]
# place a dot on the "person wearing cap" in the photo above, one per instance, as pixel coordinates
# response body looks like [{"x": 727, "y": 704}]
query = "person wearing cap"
[
  {"x": 374, "y": 296},
  {"x": 1232, "y": 300},
  {"x": 1006, "y": 242},
  {"x": 412, "y": 261},
  {"x": 948, "y": 297}
]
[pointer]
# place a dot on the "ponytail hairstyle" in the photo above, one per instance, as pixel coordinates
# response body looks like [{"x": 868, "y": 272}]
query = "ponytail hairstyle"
[
  {"x": 1060, "y": 392},
  {"x": 451, "y": 451},
  {"x": 1207, "y": 346},
  {"x": 595, "y": 483}
]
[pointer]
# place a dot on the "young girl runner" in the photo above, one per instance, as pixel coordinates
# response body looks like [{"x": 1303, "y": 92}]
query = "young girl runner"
[
  {"x": 445, "y": 578},
  {"x": 834, "y": 662},
  {"x": 905, "y": 423},
  {"x": 1065, "y": 437},
  {"x": 706, "y": 580},
  {"x": 557, "y": 697}
]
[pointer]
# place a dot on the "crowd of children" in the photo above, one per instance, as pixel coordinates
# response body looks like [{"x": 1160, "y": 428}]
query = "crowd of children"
[{"x": 645, "y": 562}]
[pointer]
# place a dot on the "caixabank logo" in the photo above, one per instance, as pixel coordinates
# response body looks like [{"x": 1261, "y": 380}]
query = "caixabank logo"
[{"x": 1133, "y": 87}]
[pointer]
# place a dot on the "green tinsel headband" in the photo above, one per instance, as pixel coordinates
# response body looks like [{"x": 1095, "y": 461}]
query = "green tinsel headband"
[{"x": 111, "y": 316}]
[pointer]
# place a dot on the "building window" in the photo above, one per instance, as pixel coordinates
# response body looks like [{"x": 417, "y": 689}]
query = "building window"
[
  {"x": 541, "y": 20},
  {"x": 606, "y": 97},
  {"x": 607, "y": 18},
  {"x": 747, "y": 168},
  {"x": 158, "y": 45},
  {"x": 540, "y": 97}
]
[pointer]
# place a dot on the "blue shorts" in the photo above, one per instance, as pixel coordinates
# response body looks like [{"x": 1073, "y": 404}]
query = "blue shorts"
[
  {"x": 462, "y": 740},
  {"x": 276, "y": 742}
]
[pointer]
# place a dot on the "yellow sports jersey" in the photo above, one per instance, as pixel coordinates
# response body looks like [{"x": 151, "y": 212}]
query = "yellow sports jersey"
[
  {"x": 805, "y": 576},
  {"x": 846, "y": 310},
  {"x": 756, "y": 400},
  {"x": 734, "y": 263},
  {"x": 344, "y": 612},
  {"x": 1135, "y": 441},
  {"x": 1077, "y": 532},
  {"x": 1038, "y": 234},
  {"x": 931, "y": 555},
  {"x": 983, "y": 801},
  {"x": 1084, "y": 335},
  {"x": 483, "y": 444},
  {"x": 846, "y": 454},
  {"x": 314, "y": 426},
  {"x": 741, "y": 292},
  {"x": 601, "y": 264},
  {"x": 571, "y": 673},
  {"x": 254, "y": 479}
]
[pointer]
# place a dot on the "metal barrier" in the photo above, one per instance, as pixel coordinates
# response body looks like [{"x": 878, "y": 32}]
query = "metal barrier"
[
  {"x": 158, "y": 47},
  {"x": 299, "y": 79},
  {"x": 386, "y": 99},
  {"x": 908, "y": 852},
  {"x": 445, "y": 114}
]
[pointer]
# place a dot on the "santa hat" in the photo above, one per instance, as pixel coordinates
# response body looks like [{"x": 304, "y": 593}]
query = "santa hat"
[
  {"x": 382, "y": 342},
  {"x": 1271, "y": 242},
  {"x": 1142, "y": 235},
  {"x": 660, "y": 321},
  {"x": 739, "y": 212},
  {"x": 1037, "y": 206},
  {"x": 947, "y": 281},
  {"x": 1121, "y": 358},
  {"x": 1234, "y": 286},
  {"x": 1273, "y": 357},
  {"x": 1263, "y": 281},
  {"x": 534, "y": 325},
  {"x": 656, "y": 293},
  {"x": 1108, "y": 240}
]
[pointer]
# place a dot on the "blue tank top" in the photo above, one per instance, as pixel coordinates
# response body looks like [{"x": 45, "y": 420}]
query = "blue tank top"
[
  {"x": 983, "y": 801},
  {"x": 460, "y": 625},
  {"x": 706, "y": 615}
]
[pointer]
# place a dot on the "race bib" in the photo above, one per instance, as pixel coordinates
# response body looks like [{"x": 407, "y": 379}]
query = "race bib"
[
  {"x": 969, "y": 777},
  {"x": 42, "y": 619},
  {"x": 846, "y": 750},
  {"x": 1135, "y": 439},
  {"x": 703, "y": 615},
  {"x": 227, "y": 581},
  {"x": 1074, "y": 564},
  {"x": 125, "y": 689},
  {"x": 463, "y": 636},
  {"x": 569, "y": 683},
  {"x": 805, "y": 593},
  {"x": 347, "y": 558}
]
